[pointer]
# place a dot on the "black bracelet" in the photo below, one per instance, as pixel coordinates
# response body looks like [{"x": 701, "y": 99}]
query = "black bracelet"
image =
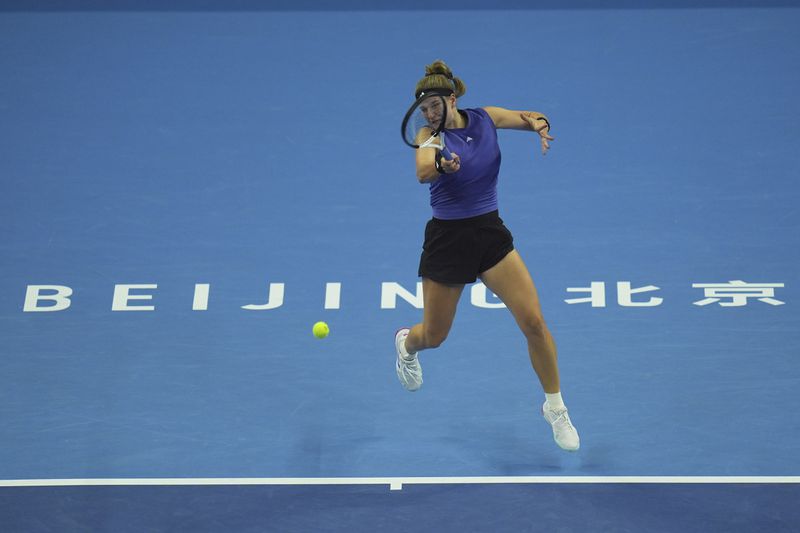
[
  {"x": 545, "y": 121},
  {"x": 437, "y": 162}
]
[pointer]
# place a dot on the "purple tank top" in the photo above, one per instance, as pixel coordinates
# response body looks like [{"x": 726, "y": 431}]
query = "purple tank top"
[{"x": 471, "y": 191}]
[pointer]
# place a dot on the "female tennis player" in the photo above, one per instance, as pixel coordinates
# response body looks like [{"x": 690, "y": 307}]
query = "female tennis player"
[{"x": 466, "y": 240}]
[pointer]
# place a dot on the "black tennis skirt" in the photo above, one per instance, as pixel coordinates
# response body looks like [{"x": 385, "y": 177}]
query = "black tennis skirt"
[{"x": 458, "y": 251}]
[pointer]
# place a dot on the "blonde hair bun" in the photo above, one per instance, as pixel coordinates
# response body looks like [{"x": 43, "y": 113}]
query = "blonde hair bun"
[{"x": 439, "y": 76}]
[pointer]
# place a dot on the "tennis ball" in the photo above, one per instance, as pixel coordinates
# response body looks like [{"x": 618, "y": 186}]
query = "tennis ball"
[{"x": 321, "y": 330}]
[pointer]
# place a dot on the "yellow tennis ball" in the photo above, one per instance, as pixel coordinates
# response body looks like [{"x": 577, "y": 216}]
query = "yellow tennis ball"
[{"x": 321, "y": 330}]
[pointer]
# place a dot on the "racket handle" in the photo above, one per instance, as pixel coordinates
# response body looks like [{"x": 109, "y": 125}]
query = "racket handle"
[{"x": 445, "y": 152}]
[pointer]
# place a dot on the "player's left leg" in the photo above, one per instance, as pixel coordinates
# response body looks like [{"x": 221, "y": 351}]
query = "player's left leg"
[{"x": 511, "y": 282}]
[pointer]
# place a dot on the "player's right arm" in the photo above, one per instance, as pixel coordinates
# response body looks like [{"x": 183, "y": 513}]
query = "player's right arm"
[{"x": 426, "y": 160}]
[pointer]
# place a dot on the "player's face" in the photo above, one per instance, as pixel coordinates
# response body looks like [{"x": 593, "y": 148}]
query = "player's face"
[{"x": 432, "y": 109}]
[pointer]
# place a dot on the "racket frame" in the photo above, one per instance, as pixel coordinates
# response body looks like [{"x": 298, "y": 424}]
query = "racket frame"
[{"x": 438, "y": 133}]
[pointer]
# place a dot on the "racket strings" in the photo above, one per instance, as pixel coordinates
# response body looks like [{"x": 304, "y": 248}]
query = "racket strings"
[
  {"x": 424, "y": 123},
  {"x": 416, "y": 124}
]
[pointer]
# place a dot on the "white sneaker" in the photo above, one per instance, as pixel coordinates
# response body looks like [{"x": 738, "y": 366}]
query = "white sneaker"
[
  {"x": 564, "y": 433},
  {"x": 408, "y": 372}
]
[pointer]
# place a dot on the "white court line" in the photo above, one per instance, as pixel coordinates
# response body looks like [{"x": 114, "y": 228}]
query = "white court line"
[{"x": 395, "y": 483}]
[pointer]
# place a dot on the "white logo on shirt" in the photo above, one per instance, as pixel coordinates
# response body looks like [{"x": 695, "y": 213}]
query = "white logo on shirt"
[{"x": 469, "y": 138}]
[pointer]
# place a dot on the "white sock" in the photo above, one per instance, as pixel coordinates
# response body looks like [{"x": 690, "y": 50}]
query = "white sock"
[
  {"x": 554, "y": 401},
  {"x": 406, "y": 353}
]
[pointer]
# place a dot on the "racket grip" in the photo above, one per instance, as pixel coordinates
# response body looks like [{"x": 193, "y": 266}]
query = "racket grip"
[{"x": 446, "y": 153}]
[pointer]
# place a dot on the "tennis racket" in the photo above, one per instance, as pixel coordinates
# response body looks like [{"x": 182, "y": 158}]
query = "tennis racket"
[{"x": 423, "y": 124}]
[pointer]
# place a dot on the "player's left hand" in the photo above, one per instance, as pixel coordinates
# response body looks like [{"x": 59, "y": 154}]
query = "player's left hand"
[{"x": 541, "y": 126}]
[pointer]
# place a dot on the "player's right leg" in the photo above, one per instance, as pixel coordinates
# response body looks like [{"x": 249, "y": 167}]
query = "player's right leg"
[{"x": 440, "y": 303}]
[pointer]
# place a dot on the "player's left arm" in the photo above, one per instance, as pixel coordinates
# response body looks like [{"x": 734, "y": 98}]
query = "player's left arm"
[{"x": 522, "y": 120}]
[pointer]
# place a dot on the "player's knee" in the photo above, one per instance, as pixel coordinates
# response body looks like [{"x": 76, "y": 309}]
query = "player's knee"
[
  {"x": 435, "y": 337},
  {"x": 533, "y": 326}
]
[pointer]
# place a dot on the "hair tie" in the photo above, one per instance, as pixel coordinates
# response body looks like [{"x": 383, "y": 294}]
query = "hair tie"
[{"x": 448, "y": 76}]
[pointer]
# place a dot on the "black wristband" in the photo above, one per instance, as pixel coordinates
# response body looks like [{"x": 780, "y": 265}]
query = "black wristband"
[{"x": 437, "y": 162}]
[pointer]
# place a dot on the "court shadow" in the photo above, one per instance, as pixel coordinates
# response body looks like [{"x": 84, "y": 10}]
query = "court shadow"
[{"x": 505, "y": 449}]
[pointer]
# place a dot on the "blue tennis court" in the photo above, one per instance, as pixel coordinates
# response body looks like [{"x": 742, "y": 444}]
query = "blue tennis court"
[{"x": 187, "y": 188}]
